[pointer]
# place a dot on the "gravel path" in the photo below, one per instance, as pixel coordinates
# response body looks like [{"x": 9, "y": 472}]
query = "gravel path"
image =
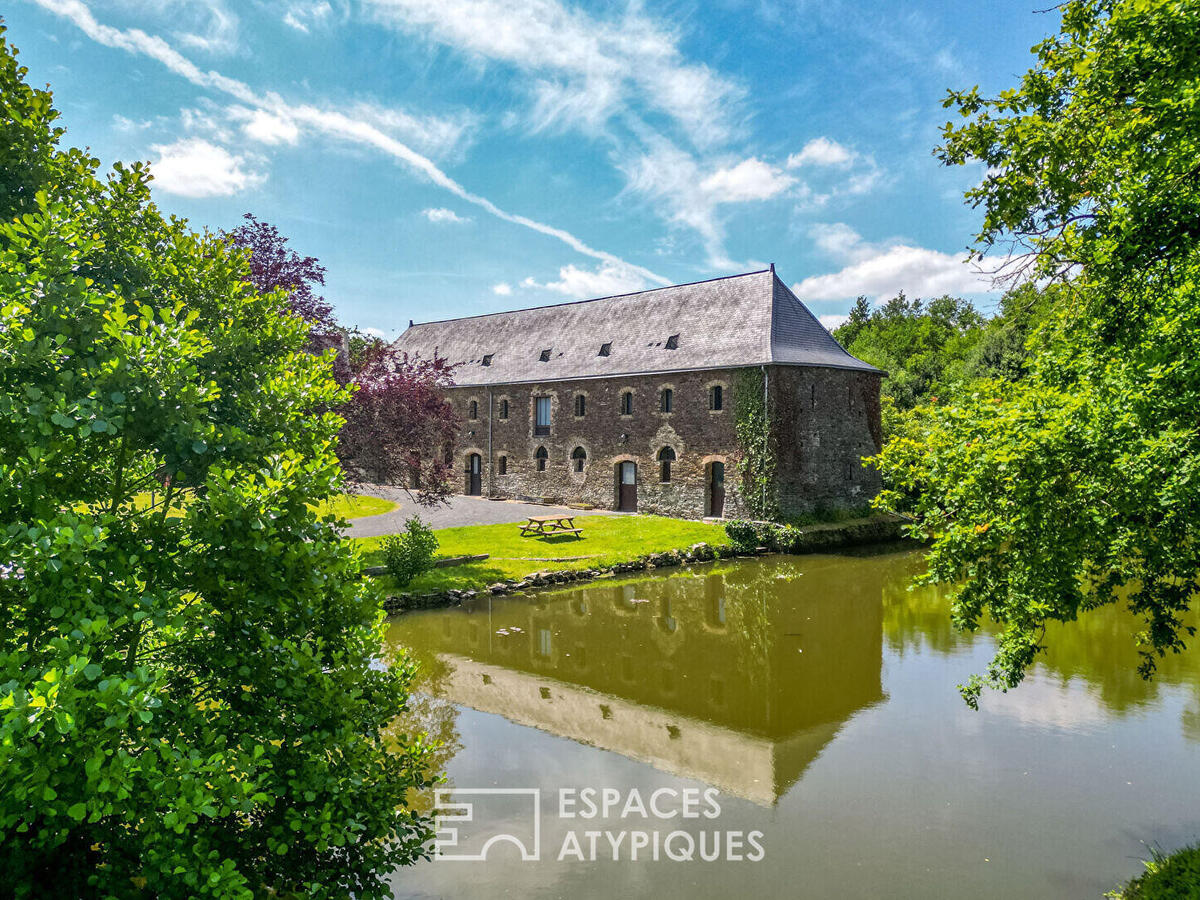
[{"x": 460, "y": 510}]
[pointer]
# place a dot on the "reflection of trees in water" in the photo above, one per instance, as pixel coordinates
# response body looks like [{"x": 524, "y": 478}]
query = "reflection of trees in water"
[
  {"x": 427, "y": 718},
  {"x": 1098, "y": 651}
]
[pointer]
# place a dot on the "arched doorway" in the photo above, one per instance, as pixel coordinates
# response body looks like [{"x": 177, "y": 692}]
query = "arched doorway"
[
  {"x": 627, "y": 486},
  {"x": 474, "y": 475},
  {"x": 716, "y": 489}
]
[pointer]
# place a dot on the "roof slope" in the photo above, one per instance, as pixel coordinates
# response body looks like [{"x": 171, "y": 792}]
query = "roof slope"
[{"x": 741, "y": 320}]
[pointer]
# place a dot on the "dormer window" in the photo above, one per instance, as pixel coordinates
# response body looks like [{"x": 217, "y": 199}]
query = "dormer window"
[
  {"x": 487, "y": 360},
  {"x": 545, "y": 357},
  {"x": 605, "y": 349},
  {"x": 672, "y": 342}
]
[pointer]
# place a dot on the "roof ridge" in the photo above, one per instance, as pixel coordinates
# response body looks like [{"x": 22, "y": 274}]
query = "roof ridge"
[{"x": 505, "y": 312}]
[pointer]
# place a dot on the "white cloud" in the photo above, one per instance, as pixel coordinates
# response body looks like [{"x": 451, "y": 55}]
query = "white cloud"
[
  {"x": 833, "y": 320},
  {"x": 502, "y": 289},
  {"x": 678, "y": 187},
  {"x": 821, "y": 151},
  {"x": 885, "y": 269},
  {"x": 265, "y": 127},
  {"x": 441, "y": 215},
  {"x": 192, "y": 167},
  {"x": 751, "y": 179},
  {"x": 374, "y": 332},
  {"x": 589, "y": 68},
  {"x": 332, "y": 123},
  {"x": 606, "y": 280},
  {"x": 121, "y": 123},
  {"x": 302, "y": 16}
]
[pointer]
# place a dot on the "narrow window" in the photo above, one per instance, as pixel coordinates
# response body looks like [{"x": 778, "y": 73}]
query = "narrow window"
[
  {"x": 666, "y": 398},
  {"x": 716, "y": 397},
  {"x": 673, "y": 342},
  {"x": 539, "y": 458},
  {"x": 605, "y": 349},
  {"x": 502, "y": 465},
  {"x": 487, "y": 360},
  {"x": 545, "y": 356},
  {"x": 627, "y": 403},
  {"x": 474, "y": 410},
  {"x": 541, "y": 421},
  {"x": 580, "y": 405},
  {"x": 504, "y": 409},
  {"x": 666, "y": 456},
  {"x": 578, "y": 459}
]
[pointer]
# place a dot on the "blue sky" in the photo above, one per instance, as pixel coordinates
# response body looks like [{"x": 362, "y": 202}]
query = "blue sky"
[{"x": 453, "y": 157}]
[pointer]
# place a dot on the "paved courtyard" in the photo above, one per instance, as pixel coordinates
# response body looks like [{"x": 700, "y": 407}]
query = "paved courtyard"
[{"x": 459, "y": 511}]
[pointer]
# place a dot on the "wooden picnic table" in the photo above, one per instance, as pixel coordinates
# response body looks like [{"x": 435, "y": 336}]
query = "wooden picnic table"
[{"x": 550, "y": 525}]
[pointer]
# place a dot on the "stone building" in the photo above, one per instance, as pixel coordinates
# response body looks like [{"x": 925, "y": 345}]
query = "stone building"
[{"x": 720, "y": 398}]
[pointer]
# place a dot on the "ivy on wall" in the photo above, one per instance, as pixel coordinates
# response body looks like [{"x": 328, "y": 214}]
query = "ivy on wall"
[{"x": 754, "y": 439}]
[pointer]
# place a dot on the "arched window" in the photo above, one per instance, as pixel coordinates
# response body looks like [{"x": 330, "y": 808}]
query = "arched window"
[
  {"x": 473, "y": 412},
  {"x": 580, "y": 405},
  {"x": 578, "y": 459},
  {"x": 666, "y": 456},
  {"x": 502, "y": 465},
  {"x": 539, "y": 458},
  {"x": 665, "y": 399},
  {"x": 627, "y": 403},
  {"x": 716, "y": 397},
  {"x": 504, "y": 409}
]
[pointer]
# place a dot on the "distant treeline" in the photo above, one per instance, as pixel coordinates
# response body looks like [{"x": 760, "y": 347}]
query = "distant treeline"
[{"x": 932, "y": 348}]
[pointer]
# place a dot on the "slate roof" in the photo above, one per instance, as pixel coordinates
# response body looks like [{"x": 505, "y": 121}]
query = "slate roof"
[{"x": 740, "y": 320}]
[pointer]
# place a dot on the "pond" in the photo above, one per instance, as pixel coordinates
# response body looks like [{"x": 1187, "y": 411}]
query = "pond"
[{"x": 797, "y": 719}]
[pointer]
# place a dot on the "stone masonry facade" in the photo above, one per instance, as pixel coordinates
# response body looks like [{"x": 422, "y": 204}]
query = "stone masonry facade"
[
  {"x": 599, "y": 374},
  {"x": 698, "y": 436},
  {"x": 822, "y": 420}
]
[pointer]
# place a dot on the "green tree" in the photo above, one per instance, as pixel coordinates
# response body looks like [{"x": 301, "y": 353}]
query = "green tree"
[
  {"x": 1078, "y": 485},
  {"x": 190, "y": 705}
]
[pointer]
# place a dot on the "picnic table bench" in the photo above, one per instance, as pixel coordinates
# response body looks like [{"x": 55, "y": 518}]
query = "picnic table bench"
[{"x": 550, "y": 525}]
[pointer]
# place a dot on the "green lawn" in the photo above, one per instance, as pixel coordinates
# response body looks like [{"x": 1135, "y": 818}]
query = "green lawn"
[
  {"x": 347, "y": 506},
  {"x": 606, "y": 540}
]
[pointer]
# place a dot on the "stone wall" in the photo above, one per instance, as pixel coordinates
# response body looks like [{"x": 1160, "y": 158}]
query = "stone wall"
[
  {"x": 698, "y": 436},
  {"x": 824, "y": 421}
]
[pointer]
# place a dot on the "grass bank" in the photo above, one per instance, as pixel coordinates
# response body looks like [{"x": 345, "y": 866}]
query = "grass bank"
[
  {"x": 1174, "y": 876},
  {"x": 606, "y": 541},
  {"x": 345, "y": 506}
]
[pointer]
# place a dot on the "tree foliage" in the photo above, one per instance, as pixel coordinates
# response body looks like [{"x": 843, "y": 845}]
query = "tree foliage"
[
  {"x": 399, "y": 422},
  {"x": 1079, "y": 484},
  {"x": 189, "y": 704}
]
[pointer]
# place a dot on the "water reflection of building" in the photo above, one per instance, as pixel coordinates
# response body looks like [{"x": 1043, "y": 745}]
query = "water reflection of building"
[{"x": 738, "y": 678}]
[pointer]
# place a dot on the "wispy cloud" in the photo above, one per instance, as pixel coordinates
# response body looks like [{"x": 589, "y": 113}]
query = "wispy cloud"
[
  {"x": 440, "y": 215},
  {"x": 192, "y": 167},
  {"x": 884, "y": 269},
  {"x": 503, "y": 289},
  {"x": 586, "y": 69},
  {"x": 605, "y": 280},
  {"x": 331, "y": 123},
  {"x": 306, "y": 16},
  {"x": 821, "y": 151},
  {"x": 688, "y": 194}
]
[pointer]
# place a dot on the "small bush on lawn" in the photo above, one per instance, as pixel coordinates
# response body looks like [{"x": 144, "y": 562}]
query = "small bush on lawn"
[
  {"x": 741, "y": 534},
  {"x": 409, "y": 553}
]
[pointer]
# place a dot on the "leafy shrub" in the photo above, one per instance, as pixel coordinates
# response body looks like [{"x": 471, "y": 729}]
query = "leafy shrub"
[
  {"x": 741, "y": 534},
  {"x": 409, "y": 553},
  {"x": 1173, "y": 877}
]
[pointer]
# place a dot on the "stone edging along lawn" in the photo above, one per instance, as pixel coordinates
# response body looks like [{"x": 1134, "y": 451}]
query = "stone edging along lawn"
[{"x": 814, "y": 539}]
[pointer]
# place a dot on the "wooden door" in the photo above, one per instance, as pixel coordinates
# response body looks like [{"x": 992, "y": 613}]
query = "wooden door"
[
  {"x": 716, "y": 489},
  {"x": 627, "y": 487},
  {"x": 474, "y": 475}
]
